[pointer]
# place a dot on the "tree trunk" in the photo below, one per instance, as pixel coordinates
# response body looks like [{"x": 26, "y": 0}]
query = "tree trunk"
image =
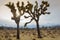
[
  {"x": 38, "y": 30},
  {"x": 18, "y": 31}
]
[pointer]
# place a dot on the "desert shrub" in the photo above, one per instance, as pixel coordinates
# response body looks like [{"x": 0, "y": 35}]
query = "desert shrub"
[
  {"x": 33, "y": 39},
  {"x": 9, "y": 39},
  {"x": 6, "y": 36},
  {"x": 52, "y": 36},
  {"x": 34, "y": 33},
  {"x": 22, "y": 31},
  {"x": 14, "y": 35}
]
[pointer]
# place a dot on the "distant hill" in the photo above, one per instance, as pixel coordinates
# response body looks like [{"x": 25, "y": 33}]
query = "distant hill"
[{"x": 43, "y": 27}]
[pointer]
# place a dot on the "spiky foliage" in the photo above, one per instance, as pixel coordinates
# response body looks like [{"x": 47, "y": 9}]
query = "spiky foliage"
[
  {"x": 13, "y": 10},
  {"x": 21, "y": 8}
]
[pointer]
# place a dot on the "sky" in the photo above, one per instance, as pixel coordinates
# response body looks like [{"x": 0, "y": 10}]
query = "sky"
[{"x": 46, "y": 20}]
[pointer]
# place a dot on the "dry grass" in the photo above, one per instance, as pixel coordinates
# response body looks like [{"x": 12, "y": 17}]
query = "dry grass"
[{"x": 30, "y": 35}]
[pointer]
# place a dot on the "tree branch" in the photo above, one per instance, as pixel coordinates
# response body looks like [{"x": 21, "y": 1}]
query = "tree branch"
[{"x": 28, "y": 22}]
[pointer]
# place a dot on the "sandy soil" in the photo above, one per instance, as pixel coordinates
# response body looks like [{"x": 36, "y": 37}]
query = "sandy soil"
[{"x": 30, "y": 35}]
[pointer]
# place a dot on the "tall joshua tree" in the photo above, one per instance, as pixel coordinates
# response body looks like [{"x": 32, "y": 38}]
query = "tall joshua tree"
[
  {"x": 37, "y": 13},
  {"x": 15, "y": 17}
]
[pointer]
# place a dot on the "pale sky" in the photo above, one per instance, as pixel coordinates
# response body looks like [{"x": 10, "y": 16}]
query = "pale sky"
[{"x": 52, "y": 19}]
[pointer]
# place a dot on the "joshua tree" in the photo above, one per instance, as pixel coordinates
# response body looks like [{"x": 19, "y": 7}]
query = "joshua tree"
[
  {"x": 28, "y": 8},
  {"x": 37, "y": 13},
  {"x": 15, "y": 17}
]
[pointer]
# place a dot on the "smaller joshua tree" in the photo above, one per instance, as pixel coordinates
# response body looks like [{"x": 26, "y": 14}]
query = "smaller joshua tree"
[
  {"x": 15, "y": 17},
  {"x": 37, "y": 13}
]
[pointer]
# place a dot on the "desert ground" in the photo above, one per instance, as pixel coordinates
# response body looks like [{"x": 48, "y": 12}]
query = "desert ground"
[{"x": 47, "y": 34}]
